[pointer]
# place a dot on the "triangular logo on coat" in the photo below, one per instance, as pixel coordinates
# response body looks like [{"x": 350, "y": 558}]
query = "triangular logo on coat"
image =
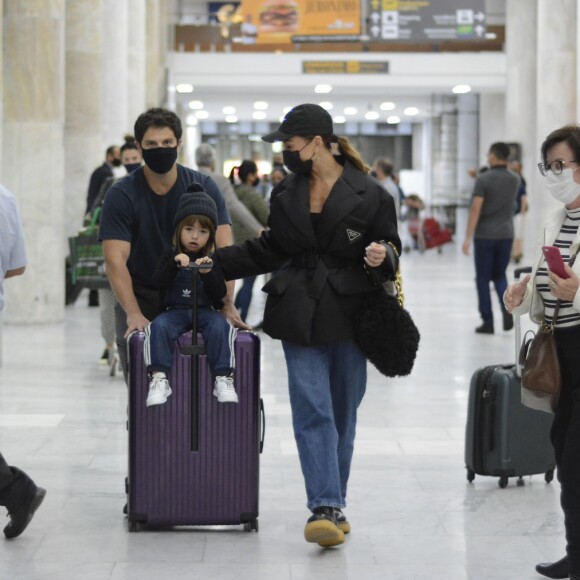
[{"x": 352, "y": 235}]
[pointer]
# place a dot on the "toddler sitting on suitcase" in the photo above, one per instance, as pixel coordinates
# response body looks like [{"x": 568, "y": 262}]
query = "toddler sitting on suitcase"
[{"x": 193, "y": 241}]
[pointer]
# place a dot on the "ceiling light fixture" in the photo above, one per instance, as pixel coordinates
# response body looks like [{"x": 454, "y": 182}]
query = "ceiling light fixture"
[
  {"x": 201, "y": 114},
  {"x": 322, "y": 88},
  {"x": 350, "y": 111},
  {"x": 231, "y": 119},
  {"x": 387, "y": 106},
  {"x": 260, "y": 105},
  {"x": 184, "y": 88},
  {"x": 393, "y": 119},
  {"x": 229, "y": 110},
  {"x": 195, "y": 105},
  {"x": 461, "y": 89},
  {"x": 339, "y": 119},
  {"x": 411, "y": 111},
  {"x": 371, "y": 115},
  {"x": 327, "y": 105}
]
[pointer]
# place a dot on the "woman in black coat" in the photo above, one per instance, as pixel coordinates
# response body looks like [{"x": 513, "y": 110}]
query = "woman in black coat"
[{"x": 332, "y": 236}]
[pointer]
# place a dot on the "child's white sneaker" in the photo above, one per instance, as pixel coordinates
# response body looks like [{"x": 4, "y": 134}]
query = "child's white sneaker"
[
  {"x": 159, "y": 390},
  {"x": 224, "y": 390}
]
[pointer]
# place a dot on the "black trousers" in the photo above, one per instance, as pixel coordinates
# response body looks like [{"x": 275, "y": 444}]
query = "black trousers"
[
  {"x": 149, "y": 301},
  {"x": 15, "y": 486},
  {"x": 565, "y": 436}
]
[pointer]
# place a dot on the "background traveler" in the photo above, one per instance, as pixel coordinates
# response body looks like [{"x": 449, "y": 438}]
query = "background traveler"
[
  {"x": 205, "y": 159},
  {"x": 491, "y": 226},
  {"x": 18, "y": 493},
  {"x": 247, "y": 193},
  {"x": 537, "y": 294}
]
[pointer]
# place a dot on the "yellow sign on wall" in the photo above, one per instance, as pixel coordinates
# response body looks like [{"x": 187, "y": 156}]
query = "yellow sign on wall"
[
  {"x": 280, "y": 20},
  {"x": 350, "y": 67}
]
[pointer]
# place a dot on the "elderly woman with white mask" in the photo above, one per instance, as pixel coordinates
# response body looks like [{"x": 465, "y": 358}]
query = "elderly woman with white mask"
[{"x": 538, "y": 294}]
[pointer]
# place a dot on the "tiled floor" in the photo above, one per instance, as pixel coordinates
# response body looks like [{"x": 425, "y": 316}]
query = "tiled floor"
[{"x": 62, "y": 419}]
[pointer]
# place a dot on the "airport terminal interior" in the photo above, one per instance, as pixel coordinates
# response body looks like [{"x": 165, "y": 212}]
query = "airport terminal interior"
[{"x": 429, "y": 85}]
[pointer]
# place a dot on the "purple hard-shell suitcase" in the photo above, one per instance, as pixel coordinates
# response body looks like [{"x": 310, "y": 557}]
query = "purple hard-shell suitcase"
[
  {"x": 184, "y": 471},
  {"x": 193, "y": 460}
]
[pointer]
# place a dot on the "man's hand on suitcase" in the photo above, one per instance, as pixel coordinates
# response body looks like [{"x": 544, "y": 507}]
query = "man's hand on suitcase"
[
  {"x": 204, "y": 260},
  {"x": 515, "y": 293},
  {"x": 135, "y": 322}
]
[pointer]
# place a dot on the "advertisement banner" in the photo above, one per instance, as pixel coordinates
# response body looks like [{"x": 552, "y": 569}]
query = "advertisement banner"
[{"x": 278, "y": 21}]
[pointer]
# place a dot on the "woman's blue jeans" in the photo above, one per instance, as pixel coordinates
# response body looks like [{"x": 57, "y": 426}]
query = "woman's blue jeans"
[{"x": 327, "y": 384}]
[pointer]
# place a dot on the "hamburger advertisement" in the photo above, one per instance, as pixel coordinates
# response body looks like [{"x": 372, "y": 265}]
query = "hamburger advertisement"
[{"x": 279, "y": 21}]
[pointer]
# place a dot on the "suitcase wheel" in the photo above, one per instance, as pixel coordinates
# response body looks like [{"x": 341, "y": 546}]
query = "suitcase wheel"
[
  {"x": 521, "y": 482},
  {"x": 549, "y": 475},
  {"x": 251, "y": 526},
  {"x": 134, "y": 525},
  {"x": 503, "y": 481},
  {"x": 470, "y": 475}
]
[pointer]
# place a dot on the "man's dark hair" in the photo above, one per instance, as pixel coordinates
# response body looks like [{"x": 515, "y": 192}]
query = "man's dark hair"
[
  {"x": 110, "y": 149},
  {"x": 158, "y": 118},
  {"x": 569, "y": 134},
  {"x": 500, "y": 150}
]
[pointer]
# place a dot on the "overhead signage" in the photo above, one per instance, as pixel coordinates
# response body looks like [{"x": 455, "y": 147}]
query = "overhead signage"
[
  {"x": 281, "y": 20},
  {"x": 316, "y": 67},
  {"x": 421, "y": 20}
]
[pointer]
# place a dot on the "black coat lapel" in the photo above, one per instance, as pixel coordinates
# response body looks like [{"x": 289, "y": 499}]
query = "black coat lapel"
[
  {"x": 295, "y": 204},
  {"x": 344, "y": 198}
]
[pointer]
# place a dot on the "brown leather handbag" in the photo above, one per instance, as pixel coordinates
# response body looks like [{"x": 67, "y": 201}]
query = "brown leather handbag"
[
  {"x": 539, "y": 360},
  {"x": 539, "y": 356}
]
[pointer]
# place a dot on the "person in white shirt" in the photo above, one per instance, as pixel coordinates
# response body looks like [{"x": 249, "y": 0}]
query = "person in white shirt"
[{"x": 18, "y": 493}]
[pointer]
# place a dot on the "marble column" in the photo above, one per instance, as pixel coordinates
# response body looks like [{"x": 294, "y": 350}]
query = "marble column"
[
  {"x": 491, "y": 122},
  {"x": 33, "y": 163},
  {"x": 467, "y": 144},
  {"x": 556, "y": 65},
  {"x": 444, "y": 149},
  {"x": 156, "y": 26},
  {"x": 521, "y": 41},
  {"x": 115, "y": 72},
  {"x": 556, "y": 84},
  {"x": 83, "y": 114},
  {"x": 137, "y": 60}
]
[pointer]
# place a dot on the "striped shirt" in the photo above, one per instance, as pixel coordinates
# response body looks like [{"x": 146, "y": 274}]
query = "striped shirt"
[{"x": 568, "y": 315}]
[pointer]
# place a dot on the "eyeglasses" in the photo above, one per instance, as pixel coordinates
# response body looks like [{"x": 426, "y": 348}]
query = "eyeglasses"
[{"x": 556, "y": 167}]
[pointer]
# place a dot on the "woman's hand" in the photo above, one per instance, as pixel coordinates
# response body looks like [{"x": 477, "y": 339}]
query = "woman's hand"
[
  {"x": 182, "y": 260},
  {"x": 564, "y": 288},
  {"x": 515, "y": 293},
  {"x": 204, "y": 260},
  {"x": 375, "y": 254}
]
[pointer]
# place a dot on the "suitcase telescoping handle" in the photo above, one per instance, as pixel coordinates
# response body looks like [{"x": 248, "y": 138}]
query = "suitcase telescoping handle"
[
  {"x": 194, "y": 350},
  {"x": 518, "y": 273}
]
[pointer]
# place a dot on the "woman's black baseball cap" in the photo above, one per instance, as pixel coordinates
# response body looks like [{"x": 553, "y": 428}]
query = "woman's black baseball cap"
[{"x": 302, "y": 120}]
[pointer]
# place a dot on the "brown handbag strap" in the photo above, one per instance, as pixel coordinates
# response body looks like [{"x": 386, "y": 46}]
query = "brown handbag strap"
[{"x": 558, "y": 302}]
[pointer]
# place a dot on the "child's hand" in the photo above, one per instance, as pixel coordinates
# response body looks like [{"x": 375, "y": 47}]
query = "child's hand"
[
  {"x": 182, "y": 260},
  {"x": 204, "y": 260}
]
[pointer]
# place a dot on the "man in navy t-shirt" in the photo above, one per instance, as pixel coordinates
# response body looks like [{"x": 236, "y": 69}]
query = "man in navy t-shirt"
[{"x": 137, "y": 223}]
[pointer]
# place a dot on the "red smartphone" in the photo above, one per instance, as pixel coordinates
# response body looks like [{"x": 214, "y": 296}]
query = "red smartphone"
[{"x": 555, "y": 261}]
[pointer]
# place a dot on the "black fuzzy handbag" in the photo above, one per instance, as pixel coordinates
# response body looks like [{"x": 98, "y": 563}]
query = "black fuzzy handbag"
[{"x": 386, "y": 333}]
